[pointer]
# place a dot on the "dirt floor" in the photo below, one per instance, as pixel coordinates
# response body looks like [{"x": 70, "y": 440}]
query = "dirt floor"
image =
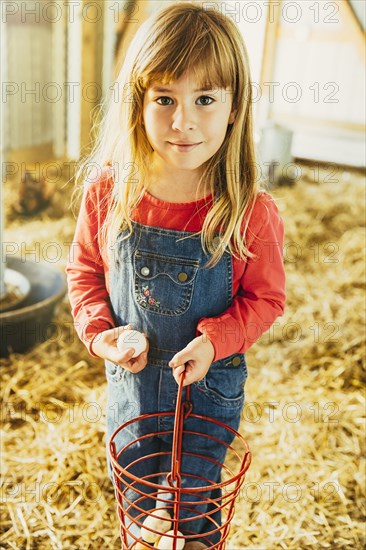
[{"x": 304, "y": 413}]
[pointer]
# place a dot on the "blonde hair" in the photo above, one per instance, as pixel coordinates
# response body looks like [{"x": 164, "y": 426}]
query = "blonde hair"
[{"x": 180, "y": 38}]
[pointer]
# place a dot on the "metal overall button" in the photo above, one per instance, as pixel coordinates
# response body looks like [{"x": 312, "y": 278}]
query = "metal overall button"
[
  {"x": 182, "y": 276},
  {"x": 145, "y": 271},
  {"x": 221, "y": 389}
]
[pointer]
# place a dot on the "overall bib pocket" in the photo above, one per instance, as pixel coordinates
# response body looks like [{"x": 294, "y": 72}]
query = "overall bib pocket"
[
  {"x": 225, "y": 380},
  {"x": 163, "y": 284}
]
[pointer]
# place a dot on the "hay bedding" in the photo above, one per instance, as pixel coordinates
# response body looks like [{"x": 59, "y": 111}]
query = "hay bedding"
[{"x": 303, "y": 417}]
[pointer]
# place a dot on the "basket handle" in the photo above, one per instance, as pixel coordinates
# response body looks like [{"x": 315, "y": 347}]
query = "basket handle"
[{"x": 178, "y": 433}]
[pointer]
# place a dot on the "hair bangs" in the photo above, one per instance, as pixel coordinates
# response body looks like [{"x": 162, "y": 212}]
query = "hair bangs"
[{"x": 196, "y": 51}]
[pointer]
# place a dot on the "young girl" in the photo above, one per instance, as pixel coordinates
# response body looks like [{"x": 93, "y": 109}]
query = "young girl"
[{"x": 175, "y": 236}]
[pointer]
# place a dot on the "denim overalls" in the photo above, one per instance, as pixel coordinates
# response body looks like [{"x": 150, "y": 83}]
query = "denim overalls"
[{"x": 160, "y": 285}]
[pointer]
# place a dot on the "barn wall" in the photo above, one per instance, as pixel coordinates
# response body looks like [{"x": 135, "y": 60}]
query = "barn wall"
[
  {"x": 317, "y": 81},
  {"x": 33, "y": 70},
  {"x": 29, "y": 71}
]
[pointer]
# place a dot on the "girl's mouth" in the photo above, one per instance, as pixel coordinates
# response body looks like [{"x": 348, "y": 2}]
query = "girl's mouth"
[{"x": 184, "y": 148}]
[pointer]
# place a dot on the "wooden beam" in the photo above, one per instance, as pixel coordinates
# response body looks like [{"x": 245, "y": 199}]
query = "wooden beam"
[
  {"x": 123, "y": 22},
  {"x": 91, "y": 66},
  {"x": 59, "y": 72},
  {"x": 298, "y": 122},
  {"x": 355, "y": 16},
  {"x": 271, "y": 36},
  {"x": 353, "y": 27},
  {"x": 268, "y": 58},
  {"x": 129, "y": 19}
]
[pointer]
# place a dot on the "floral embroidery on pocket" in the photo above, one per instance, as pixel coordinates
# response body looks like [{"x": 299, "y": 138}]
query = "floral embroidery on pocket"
[{"x": 145, "y": 298}]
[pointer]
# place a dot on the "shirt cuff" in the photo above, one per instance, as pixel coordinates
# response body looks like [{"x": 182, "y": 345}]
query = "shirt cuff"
[
  {"x": 214, "y": 329},
  {"x": 90, "y": 331}
]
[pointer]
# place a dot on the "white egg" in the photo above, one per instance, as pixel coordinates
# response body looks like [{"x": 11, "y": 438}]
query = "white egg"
[
  {"x": 140, "y": 545},
  {"x": 132, "y": 339},
  {"x": 167, "y": 543},
  {"x": 162, "y": 524}
]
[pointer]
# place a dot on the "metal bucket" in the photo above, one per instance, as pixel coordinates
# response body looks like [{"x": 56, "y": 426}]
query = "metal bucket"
[
  {"x": 30, "y": 323},
  {"x": 274, "y": 154}
]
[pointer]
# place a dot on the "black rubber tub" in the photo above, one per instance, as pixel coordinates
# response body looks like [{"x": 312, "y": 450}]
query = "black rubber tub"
[{"x": 31, "y": 322}]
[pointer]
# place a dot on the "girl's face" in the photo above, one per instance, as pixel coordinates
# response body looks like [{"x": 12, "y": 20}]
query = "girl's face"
[{"x": 178, "y": 113}]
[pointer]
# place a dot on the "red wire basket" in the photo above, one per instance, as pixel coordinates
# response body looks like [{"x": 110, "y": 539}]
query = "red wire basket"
[{"x": 186, "y": 496}]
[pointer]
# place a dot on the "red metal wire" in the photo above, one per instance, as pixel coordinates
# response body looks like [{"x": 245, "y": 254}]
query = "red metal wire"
[
  {"x": 178, "y": 433},
  {"x": 132, "y": 512}
]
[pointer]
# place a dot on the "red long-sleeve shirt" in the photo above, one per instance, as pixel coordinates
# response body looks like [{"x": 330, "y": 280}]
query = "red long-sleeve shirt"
[{"x": 258, "y": 284}]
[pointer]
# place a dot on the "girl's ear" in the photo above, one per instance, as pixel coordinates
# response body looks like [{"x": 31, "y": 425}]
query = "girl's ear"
[{"x": 232, "y": 116}]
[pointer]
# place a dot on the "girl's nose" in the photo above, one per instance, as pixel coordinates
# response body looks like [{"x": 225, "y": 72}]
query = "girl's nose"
[{"x": 183, "y": 119}]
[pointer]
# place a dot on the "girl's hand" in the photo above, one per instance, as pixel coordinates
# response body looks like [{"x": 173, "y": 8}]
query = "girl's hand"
[
  {"x": 195, "y": 359},
  {"x": 105, "y": 346}
]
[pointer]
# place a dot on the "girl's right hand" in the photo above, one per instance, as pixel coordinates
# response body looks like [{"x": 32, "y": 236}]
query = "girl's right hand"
[{"x": 105, "y": 346}]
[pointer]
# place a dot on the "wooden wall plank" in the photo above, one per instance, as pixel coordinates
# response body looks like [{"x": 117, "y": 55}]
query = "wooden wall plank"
[{"x": 91, "y": 66}]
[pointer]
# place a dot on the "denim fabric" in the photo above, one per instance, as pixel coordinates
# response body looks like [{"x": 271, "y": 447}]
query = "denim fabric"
[{"x": 160, "y": 285}]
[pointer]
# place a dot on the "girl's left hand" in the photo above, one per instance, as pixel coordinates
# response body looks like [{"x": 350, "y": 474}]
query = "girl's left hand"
[{"x": 195, "y": 359}]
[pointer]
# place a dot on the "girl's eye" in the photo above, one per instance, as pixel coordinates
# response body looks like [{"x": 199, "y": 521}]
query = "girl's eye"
[
  {"x": 163, "y": 98},
  {"x": 207, "y": 97}
]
